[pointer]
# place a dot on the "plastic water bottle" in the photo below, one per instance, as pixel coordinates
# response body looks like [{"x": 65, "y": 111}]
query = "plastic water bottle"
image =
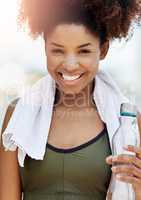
[
  {"x": 129, "y": 129},
  {"x": 128, "y": 114}
]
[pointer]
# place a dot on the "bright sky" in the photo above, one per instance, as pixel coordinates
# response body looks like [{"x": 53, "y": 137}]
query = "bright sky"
[{"x": 8, "y": 11}]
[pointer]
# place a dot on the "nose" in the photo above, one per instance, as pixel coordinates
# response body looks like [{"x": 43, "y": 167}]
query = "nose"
[{"x": 71, "y": 63}]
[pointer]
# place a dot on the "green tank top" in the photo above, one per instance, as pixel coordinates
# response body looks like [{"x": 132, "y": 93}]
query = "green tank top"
[{"x": 78, "y": 173}]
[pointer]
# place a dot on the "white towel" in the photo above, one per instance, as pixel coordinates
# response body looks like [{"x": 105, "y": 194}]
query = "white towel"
[{"x": 29, "y": 125}]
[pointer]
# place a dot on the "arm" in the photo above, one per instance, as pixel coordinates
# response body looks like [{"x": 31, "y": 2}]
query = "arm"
[
  {"x": 10, "y": 183},
  {"x": 138, "y": 196}
]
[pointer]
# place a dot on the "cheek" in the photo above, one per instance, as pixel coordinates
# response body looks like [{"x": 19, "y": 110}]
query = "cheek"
[
  {"x": 91, "y": 63},
  {"x": 52, "y": 63}
]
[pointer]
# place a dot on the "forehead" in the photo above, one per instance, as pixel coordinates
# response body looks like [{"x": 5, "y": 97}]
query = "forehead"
[{"x": 72, "y": 34}]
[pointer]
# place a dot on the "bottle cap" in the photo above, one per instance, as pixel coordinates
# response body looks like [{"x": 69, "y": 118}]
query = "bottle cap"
[{"x": 128, "y": 109}]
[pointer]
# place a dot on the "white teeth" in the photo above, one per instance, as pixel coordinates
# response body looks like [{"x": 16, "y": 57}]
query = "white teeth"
[{"x": 70, "y": 78}]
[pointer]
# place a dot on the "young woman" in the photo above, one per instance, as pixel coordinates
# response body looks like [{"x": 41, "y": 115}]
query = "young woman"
[{"x": 77, "y": 35}]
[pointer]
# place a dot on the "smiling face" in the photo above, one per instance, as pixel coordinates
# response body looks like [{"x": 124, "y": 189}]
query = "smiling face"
[{"x": 73, "y": 55}]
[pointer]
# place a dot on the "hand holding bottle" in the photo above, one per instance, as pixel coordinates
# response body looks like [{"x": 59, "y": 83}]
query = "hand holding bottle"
[{"x": 127, "y": 166}]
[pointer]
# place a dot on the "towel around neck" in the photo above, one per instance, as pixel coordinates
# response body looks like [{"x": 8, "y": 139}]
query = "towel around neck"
[{"x": 29, "y": 124}]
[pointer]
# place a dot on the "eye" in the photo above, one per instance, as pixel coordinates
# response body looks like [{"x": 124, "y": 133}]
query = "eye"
[
  {"x": 57, "y": 51},
  {"x": 84, "y": 51}
]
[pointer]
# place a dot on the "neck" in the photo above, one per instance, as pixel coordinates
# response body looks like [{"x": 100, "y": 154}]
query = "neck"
[{"x": 78, "y": 101}]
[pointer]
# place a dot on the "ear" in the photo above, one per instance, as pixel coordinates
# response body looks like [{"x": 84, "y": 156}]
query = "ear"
[{"x": 104, "y": 49}]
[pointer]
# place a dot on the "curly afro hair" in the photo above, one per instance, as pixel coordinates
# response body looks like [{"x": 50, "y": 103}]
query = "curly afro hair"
[{"x": 110, "y": 19}]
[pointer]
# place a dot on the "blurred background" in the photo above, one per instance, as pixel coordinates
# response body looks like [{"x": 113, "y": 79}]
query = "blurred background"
[{"x": 23, "y": 62}]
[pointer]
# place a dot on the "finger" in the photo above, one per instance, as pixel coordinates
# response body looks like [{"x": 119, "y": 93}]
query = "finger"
[
  {"x": 131, "y": 170},
  {"x": 109, "y": 160},
  {"x": 134, "y": 149},
  {"x": 126, "y": 159},
  {"x": 129, "y": 179}
]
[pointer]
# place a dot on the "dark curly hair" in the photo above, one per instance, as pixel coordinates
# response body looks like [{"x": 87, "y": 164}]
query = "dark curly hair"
[{"x": 110, "y": 19}]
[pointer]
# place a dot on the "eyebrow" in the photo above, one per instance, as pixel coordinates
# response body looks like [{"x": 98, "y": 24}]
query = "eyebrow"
[{"x": 81, "y": 46}]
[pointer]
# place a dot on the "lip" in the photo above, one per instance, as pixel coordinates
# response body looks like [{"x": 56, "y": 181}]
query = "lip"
[
  {"x": 72, "y": 82},
  {"x": 78, "y": 74}
]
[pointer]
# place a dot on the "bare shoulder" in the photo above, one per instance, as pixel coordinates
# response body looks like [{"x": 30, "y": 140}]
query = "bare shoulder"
[{"x": 7, "y": 116}]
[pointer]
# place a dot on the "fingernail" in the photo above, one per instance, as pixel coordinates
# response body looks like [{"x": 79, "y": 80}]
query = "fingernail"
[{"x": 109, "y": 157}]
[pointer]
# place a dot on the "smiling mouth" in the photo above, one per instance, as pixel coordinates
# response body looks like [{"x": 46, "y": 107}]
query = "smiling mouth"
[{"x": 70, "y": 78}]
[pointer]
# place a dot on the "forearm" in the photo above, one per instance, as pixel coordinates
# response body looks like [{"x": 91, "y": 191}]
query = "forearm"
[
  {"x": 137, "y": 192},
  {"x": 10, "y": 182},
  {"x": 137, "y": 197},
  {"x": 9, "y": 191}
]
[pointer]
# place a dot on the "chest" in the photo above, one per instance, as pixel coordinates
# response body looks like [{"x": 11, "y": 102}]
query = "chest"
[
  {"x": 63, "y": 172},
  {"x": 73, "y": 128}
]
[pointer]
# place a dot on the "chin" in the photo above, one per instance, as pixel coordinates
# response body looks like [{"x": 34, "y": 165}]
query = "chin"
[{"x": 73, "y": 90}]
